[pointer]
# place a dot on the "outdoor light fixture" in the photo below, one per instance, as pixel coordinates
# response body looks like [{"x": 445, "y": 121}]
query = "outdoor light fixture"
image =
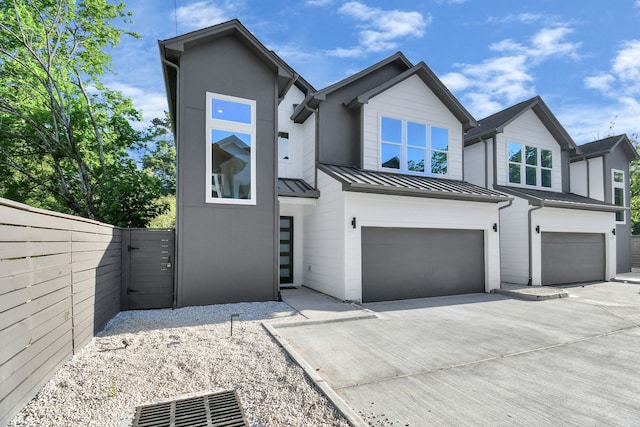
[
  {"x": 613, "y": 231},
  {"x": 495, "y": 227},
  {"x": 353, "y": 222},
  {"x": 538, "y": 229}
]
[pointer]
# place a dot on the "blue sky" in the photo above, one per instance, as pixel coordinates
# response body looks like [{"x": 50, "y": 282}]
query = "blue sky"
[{"x": 581, "y": 56}]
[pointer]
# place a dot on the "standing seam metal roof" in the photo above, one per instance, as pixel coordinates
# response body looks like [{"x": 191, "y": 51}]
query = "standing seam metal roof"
[
  {"x": 355, "y": 179},
  {"x": 293, "y": 187}
]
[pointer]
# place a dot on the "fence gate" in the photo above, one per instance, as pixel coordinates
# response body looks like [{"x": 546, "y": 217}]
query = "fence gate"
[{"x": 147, "y": 268}]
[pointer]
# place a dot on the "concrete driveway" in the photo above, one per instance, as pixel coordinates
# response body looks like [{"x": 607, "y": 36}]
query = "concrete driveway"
[{"x": 485, "y": 359}]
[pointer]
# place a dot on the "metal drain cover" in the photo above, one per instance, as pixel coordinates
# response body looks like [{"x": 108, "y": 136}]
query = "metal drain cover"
[{"x": 216, "y": 409}]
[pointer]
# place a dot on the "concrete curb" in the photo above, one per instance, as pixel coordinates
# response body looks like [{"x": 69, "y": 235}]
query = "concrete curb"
[
  {"x": 531, "y": 297},
  {"x": 352, "y": 417}
]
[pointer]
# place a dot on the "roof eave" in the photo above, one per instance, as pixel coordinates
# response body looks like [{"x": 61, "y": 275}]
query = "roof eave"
[{"x": 582, "y": 206}]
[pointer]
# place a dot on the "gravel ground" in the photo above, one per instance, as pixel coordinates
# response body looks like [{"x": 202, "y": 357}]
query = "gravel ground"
[{"x": 146, "y": 356}]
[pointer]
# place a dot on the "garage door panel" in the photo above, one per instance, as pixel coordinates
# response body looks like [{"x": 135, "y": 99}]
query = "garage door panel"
[
  {"x": 572, "y": 258},
  {"x": 401, "y": 263}
]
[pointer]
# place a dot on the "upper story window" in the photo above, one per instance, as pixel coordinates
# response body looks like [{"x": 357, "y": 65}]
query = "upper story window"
[
  {"x": 529, "y": 165},
  {"x": 230, "y": 154},
  {"x": 413, "y": 147},
  {"x": 618, "y": 184}
]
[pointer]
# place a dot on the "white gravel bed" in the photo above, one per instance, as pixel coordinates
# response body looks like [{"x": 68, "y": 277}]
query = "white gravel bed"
[{"x": 170, "y": 353}]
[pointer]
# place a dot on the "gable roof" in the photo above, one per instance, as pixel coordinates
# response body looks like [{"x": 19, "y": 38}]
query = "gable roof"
[
  {"x": 313, "y": 100},
  {"x": 171, "y": 51},
  {"x": 555, "y": 199},
  {"x": 495, "y": 123},
  {"x": 433, "y": 83},
  {"x": 605, "y": 146},
  {"x": 368, "y": 181}
]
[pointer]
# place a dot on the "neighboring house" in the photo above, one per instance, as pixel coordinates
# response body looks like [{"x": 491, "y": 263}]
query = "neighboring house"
[
  {"x": 357, "y": 190},
  {"x": 548, "y": 235},
  {"x": 601, "y": 171}
]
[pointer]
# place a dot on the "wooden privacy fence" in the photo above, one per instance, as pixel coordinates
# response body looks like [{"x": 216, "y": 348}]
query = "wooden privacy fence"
[
  {"x": 59, "y": 284},
  {"x": 635, "y": 251}
]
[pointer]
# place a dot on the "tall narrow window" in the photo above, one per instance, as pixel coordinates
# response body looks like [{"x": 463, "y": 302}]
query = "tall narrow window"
[
  {"x": 230, "y": 153},
  {"x": 618, "y": 185},
  {"x": 413, "y": 147}
]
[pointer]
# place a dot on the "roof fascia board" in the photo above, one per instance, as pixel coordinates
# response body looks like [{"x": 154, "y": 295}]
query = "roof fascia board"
[
  {"x": 538, "y": 201},
  {"x": 432, "y": 82},
  {"x": 311, "y": 103}
]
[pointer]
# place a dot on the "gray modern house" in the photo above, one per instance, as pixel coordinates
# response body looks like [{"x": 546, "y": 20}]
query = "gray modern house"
[
  {"x": 601, "y": 171},
  {"x": 381, "y": 186}
]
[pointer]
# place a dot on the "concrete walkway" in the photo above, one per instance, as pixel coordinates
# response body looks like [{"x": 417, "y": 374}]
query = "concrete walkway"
[
  {"x": 318, "y": 306},
  {"x": 478, "y": 359}
]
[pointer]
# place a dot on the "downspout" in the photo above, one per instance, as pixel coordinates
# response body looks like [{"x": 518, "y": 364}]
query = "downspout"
[
  {"x": 531, "y": 242},
  {"x": 499, "y": 228},
  {"x": 486, "y": 167},
  {"x": 495, "y": 158},
  {"x": 176, "y": 242}
]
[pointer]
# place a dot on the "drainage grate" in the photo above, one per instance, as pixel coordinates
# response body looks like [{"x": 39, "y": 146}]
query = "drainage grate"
[{"x": 216, "y": 409}]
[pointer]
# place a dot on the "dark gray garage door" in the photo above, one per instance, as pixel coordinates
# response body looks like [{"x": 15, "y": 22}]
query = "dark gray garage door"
[
  {"x": 401, "y": 263},
  {"x": 572, "y": 258}
]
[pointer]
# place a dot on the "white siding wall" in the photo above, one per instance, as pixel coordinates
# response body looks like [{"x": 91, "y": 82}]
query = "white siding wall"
[
  {"x": 596, "y": 178},
  {"x": 529, "y": 130},
  {"x": 297, "y": 208},
  {"x": 291, "y": 168},
  {"x": 514, "y": 237},
  {"x": 410, "y": 100},
  {"x": 309, "y": 150},
  {"x": 514, "y": 243},
  {"x": 324, "y": 240},
  {"x": 376, "y": 210},
  {"x": 474, "y": 164},
  {"x": 576, "y": 221},
  {"x": 579, "y": 178}
]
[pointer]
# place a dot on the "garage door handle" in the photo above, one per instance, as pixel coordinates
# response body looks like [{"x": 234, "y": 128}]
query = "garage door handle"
[
  {"x": 132, "y": 291},
  {"x": 131, "y": 248}
]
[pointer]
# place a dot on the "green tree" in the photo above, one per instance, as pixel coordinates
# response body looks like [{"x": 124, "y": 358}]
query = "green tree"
[
  {"x": 634, "y": 179},
  {"x": 160, "y": 155},
  {"x": 64, "y": 136}
]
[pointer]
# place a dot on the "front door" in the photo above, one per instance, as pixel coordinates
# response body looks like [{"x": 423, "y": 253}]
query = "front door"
[{"x": 286, "y": 249}]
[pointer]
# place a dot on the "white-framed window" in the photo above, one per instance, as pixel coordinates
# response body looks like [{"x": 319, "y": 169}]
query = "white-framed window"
[
  {"x": 617, "y": 193},
  {"x": 230, "y": 151},
  {"x": 412, "y": 147},
  {"x": 529, "y": 165}
]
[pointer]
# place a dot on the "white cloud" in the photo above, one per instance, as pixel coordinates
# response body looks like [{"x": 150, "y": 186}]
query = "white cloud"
[
  {"x": 637, "y": 3},
  {"x": 508, "y": 77},
  {"x": 601, "y": 82},
  {"x": 151, "y": 104},
  {"x": 621, "y": 85},
  {"x": 319, "y": 3},
  {"x": 455, "y": 81},
  {"x": 380, "y": 29},
  {"x": 546, "y": 42},
  {"x": 202, "y": 14},
  {"x": 626, "y": 64},
  {"x": 623, "y": 78}
]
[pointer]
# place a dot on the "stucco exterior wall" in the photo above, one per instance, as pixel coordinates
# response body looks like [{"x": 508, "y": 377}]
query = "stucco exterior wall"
[{"x": 210, "y": 268}]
